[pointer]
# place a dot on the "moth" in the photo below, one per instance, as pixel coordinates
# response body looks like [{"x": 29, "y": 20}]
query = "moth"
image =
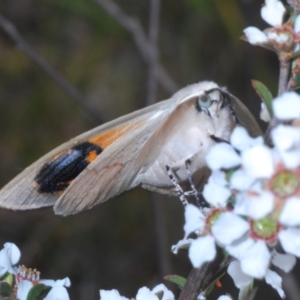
[{"x": 131, "y": 151}]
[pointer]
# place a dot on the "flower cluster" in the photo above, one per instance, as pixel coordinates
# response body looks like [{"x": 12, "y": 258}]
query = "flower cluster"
[
  {"x": 281, "y": 37},
  {"x": 25, "y": 284},
  {"x": 254, "y": 201}
]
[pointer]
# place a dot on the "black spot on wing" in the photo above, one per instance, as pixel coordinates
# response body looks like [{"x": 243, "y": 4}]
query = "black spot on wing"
[{"x": 56, "y": 175}]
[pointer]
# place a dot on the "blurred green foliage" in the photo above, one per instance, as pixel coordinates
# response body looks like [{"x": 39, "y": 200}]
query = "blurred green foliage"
[{"x": 113, "y": 245}]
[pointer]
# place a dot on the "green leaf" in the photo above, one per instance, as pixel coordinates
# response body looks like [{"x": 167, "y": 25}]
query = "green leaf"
[
  {"x": 264, "y": 93},
  {"x": 5, "y": 289},
  {"x": 37, "y": 290},
  {"x": 180, "y": 281}
]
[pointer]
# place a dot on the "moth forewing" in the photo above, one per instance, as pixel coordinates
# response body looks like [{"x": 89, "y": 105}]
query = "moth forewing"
[{"x": 22, "y": 193}]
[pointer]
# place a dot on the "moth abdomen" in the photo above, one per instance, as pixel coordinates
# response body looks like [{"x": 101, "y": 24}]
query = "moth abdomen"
[{"x": 56, "y": 175}]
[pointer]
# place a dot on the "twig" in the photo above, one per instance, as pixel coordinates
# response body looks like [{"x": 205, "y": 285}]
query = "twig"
[
  {"x": 284, "y": 72},
  {"x": 22, "y": 45},
  {"x": 140, "y": 39},
  {"x": 197, "y": 281}
]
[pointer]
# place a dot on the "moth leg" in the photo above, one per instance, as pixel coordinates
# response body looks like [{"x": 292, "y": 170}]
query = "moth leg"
[
  {"x": 179, "y": 191},
  {"x": 199, "y": 198}
]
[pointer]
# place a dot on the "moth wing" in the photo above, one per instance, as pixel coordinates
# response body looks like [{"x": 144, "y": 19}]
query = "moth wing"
[
  {"x": 245, "y": 117},
  {"x": 21, "y": 193},
  {"x": 111, "y": 173}
]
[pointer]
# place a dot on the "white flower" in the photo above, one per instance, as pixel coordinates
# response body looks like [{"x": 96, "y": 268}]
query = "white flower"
[
  {"x": 258, "y": 162},
  {"x": 229, "y": 227},
  {"x": 287, "y": 142},
  {"x": 273, "y": 12},
  {"x": 202, "y": 250},
  {"x": 57, "y": 292},
  {"x": 241, "y": 140},
  {"x": 9, "y": 256},
  {"x": 241, "y": 279},
  {"x": 222, "y": 155},
  {"x": 254, "y": 204},
  {"x": 224, "y": 297},
  {"x": 145, "y": 294},
  {"x": 167, "y": 294},
  {"x": 255, "y": 36},
  {"x": 216, "y": 191},
  {"x": 287, "y": 106},
  {"x": 111, "y": 295}
]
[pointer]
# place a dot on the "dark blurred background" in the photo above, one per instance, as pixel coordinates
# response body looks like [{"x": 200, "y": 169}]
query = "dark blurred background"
[{"x": 122, "y": 243}]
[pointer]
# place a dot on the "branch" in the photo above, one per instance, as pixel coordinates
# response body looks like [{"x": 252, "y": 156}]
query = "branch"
[
  {"x": 284, "y": 71},
  {"x": 140, "y": 39},
  {"x": 64, "y": 84}
]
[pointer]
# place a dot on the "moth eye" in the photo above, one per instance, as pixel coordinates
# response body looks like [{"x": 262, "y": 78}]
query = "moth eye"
[{"x": 204, "y": 101}]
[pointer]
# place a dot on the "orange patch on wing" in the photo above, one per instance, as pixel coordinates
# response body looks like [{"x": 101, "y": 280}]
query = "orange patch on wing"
[
  {"x": 91, "y": 156},
  {"x": 105, "y": 139}
]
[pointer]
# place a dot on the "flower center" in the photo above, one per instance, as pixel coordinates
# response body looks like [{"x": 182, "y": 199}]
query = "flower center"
[
  {"x": 285, "y": 183},
  {"x": 212, "y": 218},
  {"x": 265, "y": 229}
]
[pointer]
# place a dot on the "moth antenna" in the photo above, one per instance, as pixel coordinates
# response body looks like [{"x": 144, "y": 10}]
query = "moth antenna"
[
  {"x": 201, "y": 203},
  {"x": 179, "y": 191}
]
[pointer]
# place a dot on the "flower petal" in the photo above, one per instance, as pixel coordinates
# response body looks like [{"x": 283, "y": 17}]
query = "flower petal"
[
  {"x": 259, "y": 205},
  {"x": 241, "y": 140},
  {"x": 290, "y": 215},
  {"x": 285, "y": 262},
  {"x": 256, "y": 260},
  {"x": 239, "y": 278},
  {"x": 145, "y": 294},
  {"x": 290, "y": 240},
  {"x": 58, "y": 292},
  {"x": 241, "y": 180},
  {"x": 13, "y": 252},
  {"x": 229, "y": 227},
  {"x": 258, "y": 162},
  {"x": 255, "y": 36},
  {"x": 216, "y": 195},
  {"x": 168, "y": 295},
  {"x": 275, "y": 281},
  {"x": 181, "y": 245},
  {"x": 273, "y": 12},
  {"x": 111, "y": 295},
  {"x": 224, "y": 297},
  {"x": 203, "y": 249},
  {"x": 194, "y": 219},
  {"x": 287, "y": 106},
  {"x": 222, "y": 155},
  {"x": 23, "y": 289}
]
